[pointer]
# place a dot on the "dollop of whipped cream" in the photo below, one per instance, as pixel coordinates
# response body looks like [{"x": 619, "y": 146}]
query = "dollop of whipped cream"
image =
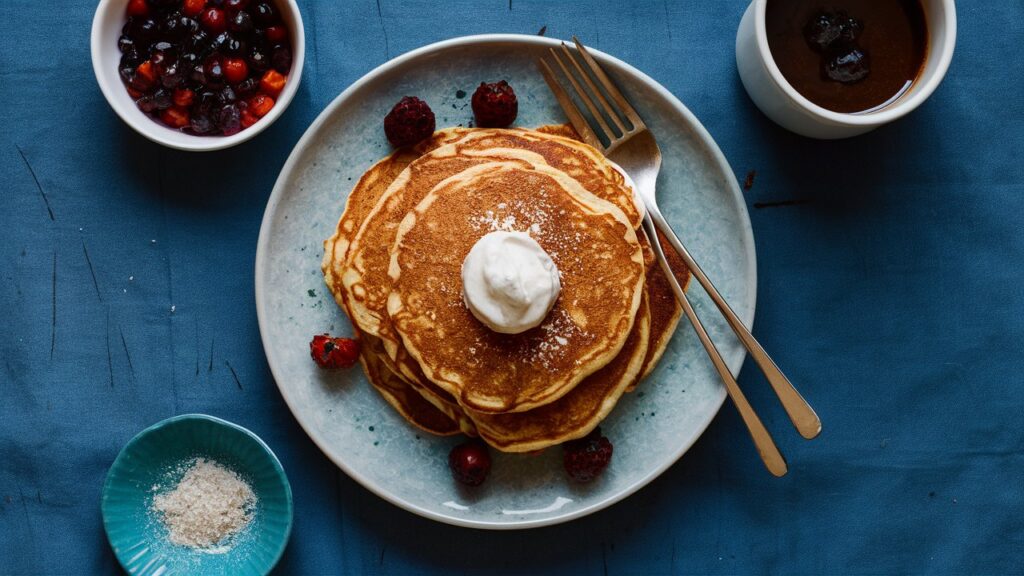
[{"x": 509, "y": 282}]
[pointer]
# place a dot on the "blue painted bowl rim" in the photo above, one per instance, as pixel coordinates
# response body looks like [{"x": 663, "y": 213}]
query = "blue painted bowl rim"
[{"x": 108, "y": 482}]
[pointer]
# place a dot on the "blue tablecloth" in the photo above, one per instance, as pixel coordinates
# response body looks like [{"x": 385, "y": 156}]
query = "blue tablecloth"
[{"x": 890, "y": 289}]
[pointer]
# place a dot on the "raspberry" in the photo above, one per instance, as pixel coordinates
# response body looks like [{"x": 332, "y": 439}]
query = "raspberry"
[
  {"x": 330, "y": 352},
  {"x": 587, "y": 457},
  {"x": 495, "y": 105},
  {"x": 410, "y": 121},
  {"x": 470, "y": 462}
]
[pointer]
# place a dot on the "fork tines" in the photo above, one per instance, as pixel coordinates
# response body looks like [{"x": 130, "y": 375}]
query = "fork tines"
[{"x": 624, "y": 120}]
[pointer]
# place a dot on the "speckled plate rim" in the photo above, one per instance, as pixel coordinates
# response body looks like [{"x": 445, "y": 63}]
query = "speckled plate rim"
[
  {"x": 107, "y": 482},
  {"x": 280, "y": 190}
]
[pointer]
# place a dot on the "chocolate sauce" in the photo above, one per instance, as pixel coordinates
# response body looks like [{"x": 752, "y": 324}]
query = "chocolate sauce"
[{"x": 848, "y": 55}]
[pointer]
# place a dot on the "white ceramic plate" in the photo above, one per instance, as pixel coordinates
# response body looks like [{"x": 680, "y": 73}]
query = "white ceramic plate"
[{"x": 650, "y": 428}]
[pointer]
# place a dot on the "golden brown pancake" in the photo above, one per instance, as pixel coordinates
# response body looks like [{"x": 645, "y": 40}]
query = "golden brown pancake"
[
  {"x": 590, "y": 241},
  {"x": 665, "y": 309},
  {"x": 403, "y": 375},
  {"x": 363, "y": 271},
  {"x": 402, "y": 398},
  {"x": 578, "y": 412},
  {"x": 362, "y": 199},
  {"x": 578, "y": 160}
]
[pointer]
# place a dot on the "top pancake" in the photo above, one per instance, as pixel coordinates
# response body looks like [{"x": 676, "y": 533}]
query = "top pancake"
[
  {"x": 362, "y": 269},
  {"x": 591, "y": 242},
  {"x": 580, "y": 161}
]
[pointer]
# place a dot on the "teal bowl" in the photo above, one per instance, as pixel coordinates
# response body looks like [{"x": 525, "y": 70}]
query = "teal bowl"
[{"x": 140, "y": 540}]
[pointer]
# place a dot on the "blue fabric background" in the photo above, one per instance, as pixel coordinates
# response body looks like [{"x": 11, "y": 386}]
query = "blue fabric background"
[{"x": 892, "y": 293}]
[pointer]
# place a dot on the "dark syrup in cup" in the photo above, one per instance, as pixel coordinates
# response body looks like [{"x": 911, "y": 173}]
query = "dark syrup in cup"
[{"x": 849, "y": 56}]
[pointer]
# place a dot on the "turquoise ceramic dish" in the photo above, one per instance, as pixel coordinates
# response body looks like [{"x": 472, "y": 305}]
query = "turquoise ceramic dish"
[{"x": 139, "y": 539}]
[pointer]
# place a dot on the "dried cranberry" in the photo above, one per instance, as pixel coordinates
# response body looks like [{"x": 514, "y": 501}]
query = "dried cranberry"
[
  {"x": 137, "y": 8},
  {"x": 470, "y": 462},
  {"x": 276, "y": 34},
  {"x": 131, "y": 58},
  {"x": 281, "y": 59},
  {"x": 410, "y": 121},
  {"x": 201, "y": 124},
  {"x": 495, "y": 105},
  {"x": 125, "y": 43},
  {"x": 213, "y": 71},
  {"x": 146, "y": 103},
  {"x": 163, "y": 99},
  {"x": 586, "y": 458},
  {"x": 264, "y": 14},
  {"x": 213, "y": 20},
  {"x": 247, "y": 87},
  {"x": 230, "y": 120},
  {"x": 240, "y": 22},
  {"x": 258, "y": 59}
]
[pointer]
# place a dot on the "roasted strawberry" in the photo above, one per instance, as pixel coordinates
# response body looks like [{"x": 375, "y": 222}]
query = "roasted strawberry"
[{"x": 332, "y": 353}]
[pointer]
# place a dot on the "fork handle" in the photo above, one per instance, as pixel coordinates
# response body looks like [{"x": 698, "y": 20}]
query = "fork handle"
[
  {"x": 799, "y": 411},
  {"x": 769, "y": 452}
]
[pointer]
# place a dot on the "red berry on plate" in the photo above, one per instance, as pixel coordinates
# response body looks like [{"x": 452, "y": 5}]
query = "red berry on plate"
[
  {"x": 495, "y": 105},
  {"x": 330, "y": 352},
  {"x": 213, "y": 20},
  {"x": 276, "y": 34},
  {"x": 235, "y": 70},
  {"x": 410, "y": 121},
  {"x": 137, "y": 8},
  {"x": 470, "y": 462},
  {"x": 587, "y": 457},
  {"x": 192, "y": 8}
]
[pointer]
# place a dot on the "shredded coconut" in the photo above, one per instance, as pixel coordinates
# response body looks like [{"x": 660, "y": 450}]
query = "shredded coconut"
[{"x": 209, "y": 504}]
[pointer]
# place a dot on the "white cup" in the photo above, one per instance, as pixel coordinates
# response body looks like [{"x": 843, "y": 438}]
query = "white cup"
[{"x": 788, "y": 108}]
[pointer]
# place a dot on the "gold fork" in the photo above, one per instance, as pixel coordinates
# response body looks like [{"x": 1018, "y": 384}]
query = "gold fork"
[{"x": 632, "y": 146}]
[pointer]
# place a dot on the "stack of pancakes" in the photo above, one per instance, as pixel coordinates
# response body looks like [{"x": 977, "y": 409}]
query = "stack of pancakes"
[{"x": 394, "y": 265}]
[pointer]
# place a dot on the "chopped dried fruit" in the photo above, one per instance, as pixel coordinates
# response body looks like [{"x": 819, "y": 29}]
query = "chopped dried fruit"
[
  {"x": 204, "y": 58},
  {"x": 260, "y": 104},
  {"x": 470, "y": 462},
  {"x": 248, "y": 118},
  {"x": 409, "y": 122},
  {"x": 175, "y": 117},
  {"x": 495, "y": 105},
  {"x": 330, "y": 352},
  {"x": 586, "y": 458},
  {"x": 184, "y": 97},
  {"x": 273, "y": 82}
]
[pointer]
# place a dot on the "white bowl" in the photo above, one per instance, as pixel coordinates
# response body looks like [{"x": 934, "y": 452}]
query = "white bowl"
[
  {"x": 788, "y": 108},
  {"x": 106, "y": 29}
]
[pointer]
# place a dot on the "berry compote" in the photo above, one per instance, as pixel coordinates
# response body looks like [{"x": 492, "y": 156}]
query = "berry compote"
[{"x": 204, "y": 67}]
